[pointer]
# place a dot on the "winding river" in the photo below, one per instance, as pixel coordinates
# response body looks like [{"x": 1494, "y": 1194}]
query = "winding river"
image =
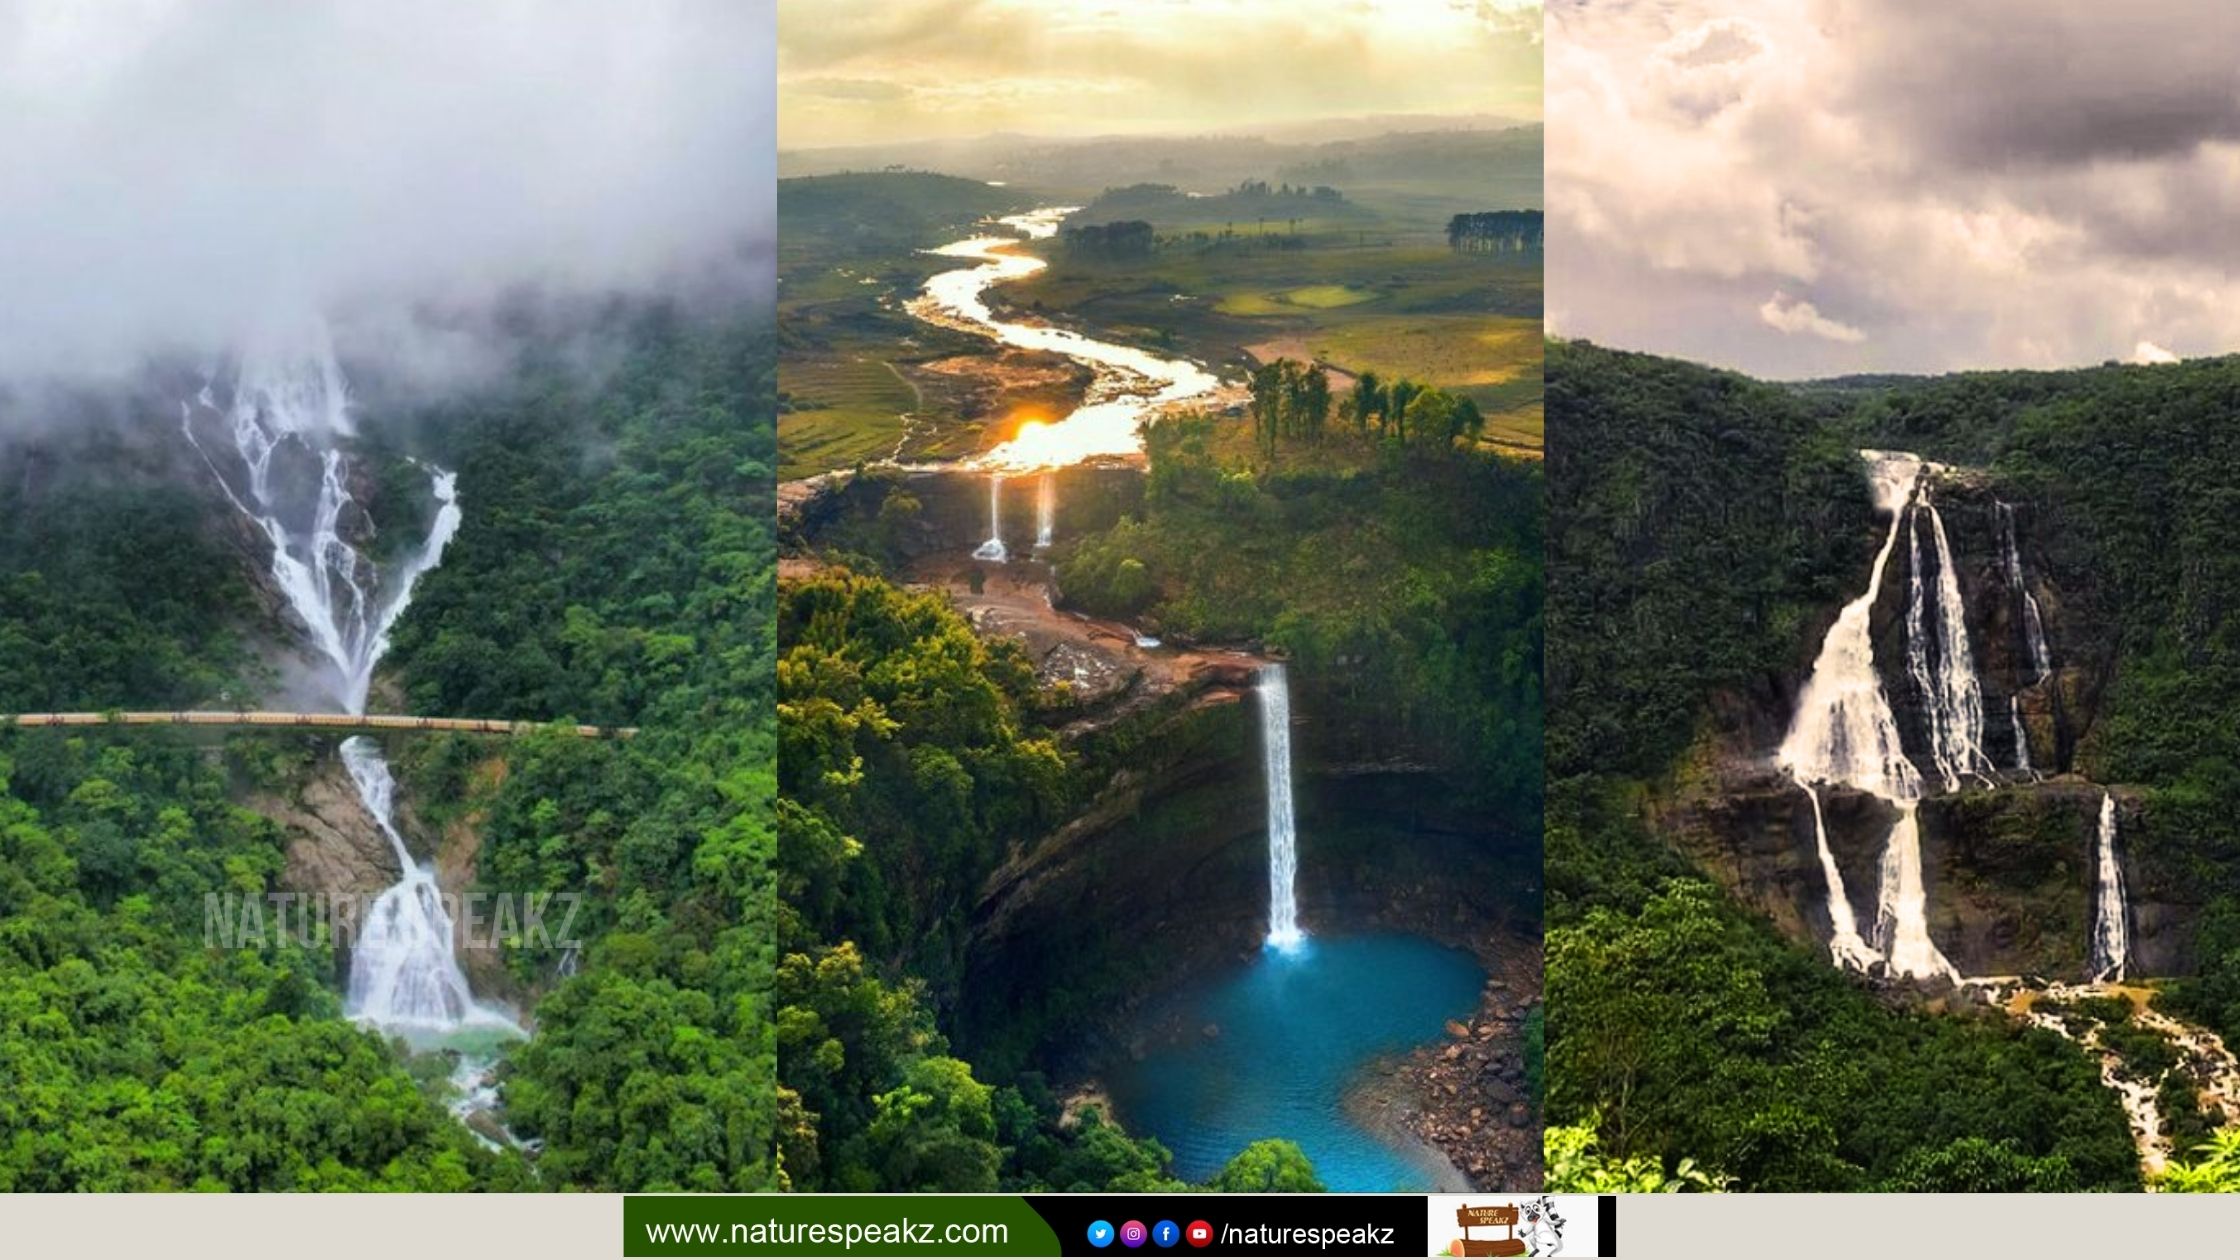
[{"x": 1130, "y": 383}]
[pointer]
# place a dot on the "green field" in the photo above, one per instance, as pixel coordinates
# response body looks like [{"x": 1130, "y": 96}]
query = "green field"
[{"x": 1400, "y": 307}]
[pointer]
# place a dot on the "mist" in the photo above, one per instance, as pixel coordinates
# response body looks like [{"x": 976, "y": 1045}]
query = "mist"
[{"x": 175, "y": 174}]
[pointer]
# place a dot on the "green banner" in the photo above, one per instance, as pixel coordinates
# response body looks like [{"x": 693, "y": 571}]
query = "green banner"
[{"x": 834, "y": 1225}]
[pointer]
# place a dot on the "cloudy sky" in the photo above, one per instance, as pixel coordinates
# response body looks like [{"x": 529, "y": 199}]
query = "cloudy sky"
[
  {"x": 171, "y": 171},
  {"x": 863, "y": 71},
  {"x": 1806, "y": 187}
]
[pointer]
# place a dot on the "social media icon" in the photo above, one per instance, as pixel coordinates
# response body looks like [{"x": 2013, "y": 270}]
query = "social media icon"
[
  {"x": 1100, "y": 1233},
  {"x": 1200, "y": 1234},
  {"x": 1166, "y": 1233},
  {"x": 1133, "y": 1233}
]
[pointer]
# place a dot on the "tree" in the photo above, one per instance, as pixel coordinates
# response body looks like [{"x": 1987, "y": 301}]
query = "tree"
[
  {"x": 1268, "y": 1166},
  {"x": 1367, "y": 402},
  {"x": 935, "y": 1132}
]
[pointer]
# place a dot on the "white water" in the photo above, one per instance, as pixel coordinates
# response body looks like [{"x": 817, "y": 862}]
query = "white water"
[
  {"x": 1045, "y": 510},
  {"x": 993, "y": 549},
  {"x": 2111, "y": 930},
  {"x": 2033, "y": 622},
  {"x": 1844, "y": 734},
  {"x": 290, "y": 396},
  {"x": 403, "y": 975},
  {"x": 2021, "y": 736},
  {"x": 1283, "y": 850},
  {"x": 1942, "y": 665},
  {"x": 1130, "y": 383},
  {"x": 1844, "y": 942}
]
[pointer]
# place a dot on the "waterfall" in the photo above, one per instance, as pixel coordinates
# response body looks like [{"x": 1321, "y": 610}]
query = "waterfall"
[
  {"x": 289, "y": 411},
  {"x": 1942, "y": 665},
  {"x": 993, "y": 549},
  {"x": 2033, "y": 623},
  {"x": 1045, "y": 510},
  {"x": 1845, "y": 734},
  {"x": 403, "y": 975},
  {"x": 1283, "y": 851},
  {"x": 2111, "y": 929},
  {"x": 1844, "y": 942},
  {"x": 2021, "y": 736}
]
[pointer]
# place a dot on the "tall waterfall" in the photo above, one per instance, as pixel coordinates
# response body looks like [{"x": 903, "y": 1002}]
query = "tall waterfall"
[
  {"x": 1939, "y": 659},
  {"x": 1045, "y": 510},
  {"x": 2111, "y": 928},
  {"x": 1845, "y": 734},
  {"x": 403, "y": 975},
  {"x": 1283, "y": 848},
  {"x": 993, "y": 549},
  {"x": 288, "y": 415}
]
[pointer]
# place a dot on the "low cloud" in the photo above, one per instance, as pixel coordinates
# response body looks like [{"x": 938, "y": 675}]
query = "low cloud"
[{"x": 173, "y": 172}]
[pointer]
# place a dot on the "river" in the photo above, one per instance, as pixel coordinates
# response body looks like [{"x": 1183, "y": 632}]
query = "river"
[{"x": 1130, "y": 383}]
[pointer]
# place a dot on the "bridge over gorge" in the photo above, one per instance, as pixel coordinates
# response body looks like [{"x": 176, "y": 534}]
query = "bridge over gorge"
[{"x": 258, "y": 718}]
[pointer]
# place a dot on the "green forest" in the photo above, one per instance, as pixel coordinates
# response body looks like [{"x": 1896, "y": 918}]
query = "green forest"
[
  {"x": 915, "y": 754},
  {"x": 616, "y": 565},
  {"x": 1683, "y": 1027}
]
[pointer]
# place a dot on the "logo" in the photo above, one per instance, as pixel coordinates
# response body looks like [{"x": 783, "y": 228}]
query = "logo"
[
  {"x": 1532, "y": 1228},
  {"x": 1166, "y": 1233},
  {"x": 1132, "y": 1234},
  {"x": 1200, "y": 1234},
  {"x": 1100, "y": 1233}
]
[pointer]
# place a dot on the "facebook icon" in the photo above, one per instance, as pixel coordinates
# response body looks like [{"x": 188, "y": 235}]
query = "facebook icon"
[{"x": 1166, "y": 1233}]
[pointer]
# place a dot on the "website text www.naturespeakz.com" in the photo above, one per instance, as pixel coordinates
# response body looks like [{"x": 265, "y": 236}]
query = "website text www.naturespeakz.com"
[
  {"x": 1307, "y": 1237},
  {"x": 846, "y": 1235}
]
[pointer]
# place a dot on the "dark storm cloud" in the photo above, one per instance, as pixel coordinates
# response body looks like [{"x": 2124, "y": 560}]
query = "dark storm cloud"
[
  {"x": 174, "y": 171},
  {"x": 2045, "y": 82},
  {"x": 1800, "y": 187}
]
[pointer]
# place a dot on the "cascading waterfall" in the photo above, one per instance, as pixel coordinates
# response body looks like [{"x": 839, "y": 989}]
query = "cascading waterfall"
[
  {"x": 2111, "y": 928},
  {"x": 1045, "y": 510},
  {"x": 1283, "y": 851},
  {"x": 290, "y": 395},
  {"x": 403, "y": 975},
  {"x": 1940, "y": 661},
  {"x": 993, "y": 549},
  {"x": 1845, "y": 734}
]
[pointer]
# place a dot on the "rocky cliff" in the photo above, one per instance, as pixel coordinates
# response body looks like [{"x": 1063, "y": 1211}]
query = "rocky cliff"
[{"x": 2008, "y": 858}]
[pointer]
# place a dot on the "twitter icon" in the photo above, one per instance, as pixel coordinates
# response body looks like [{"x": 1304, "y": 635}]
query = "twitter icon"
[{"x": 1100, "y": 1233}]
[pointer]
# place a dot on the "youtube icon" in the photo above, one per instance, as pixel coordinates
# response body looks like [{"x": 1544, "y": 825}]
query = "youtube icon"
[{"x": 1198, "y": 1234}]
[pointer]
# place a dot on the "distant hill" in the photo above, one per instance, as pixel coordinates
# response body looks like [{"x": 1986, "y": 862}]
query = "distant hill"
[
  {"x": 883, "y": 209},
  {"x": 1165, "y": 206},
  {"x": 1469, "y": 158}
]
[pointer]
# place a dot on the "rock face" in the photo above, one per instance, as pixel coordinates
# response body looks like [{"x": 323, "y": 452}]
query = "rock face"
[
  {"x": 1167, "y": 871},
  {"x": 335, "y": 849},
  {"x": 946, "y": 510},
  {"x": 2008, "y": 859}
]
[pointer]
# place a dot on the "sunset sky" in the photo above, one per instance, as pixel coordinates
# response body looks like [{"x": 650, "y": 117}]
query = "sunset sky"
[
  {"x": 1811, "y": 187},
  {"x": 866, "y": 71}
]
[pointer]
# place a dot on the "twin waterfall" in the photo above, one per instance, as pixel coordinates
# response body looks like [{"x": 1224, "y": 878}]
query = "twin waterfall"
[
  {"x": 1045, "y": 518},
  {"x": 1283, "y": 846},
  {"x": 288, "y": 420},
  {"x": 1845, "y": 733}
]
